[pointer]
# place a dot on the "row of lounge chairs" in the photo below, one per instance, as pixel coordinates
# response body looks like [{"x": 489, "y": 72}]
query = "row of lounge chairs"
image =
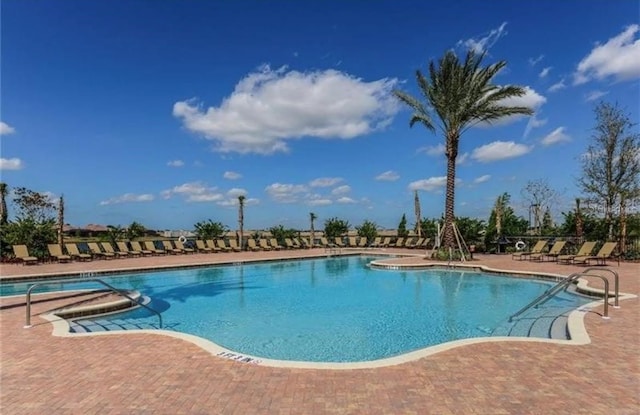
[{"x": 585, "y": 254}]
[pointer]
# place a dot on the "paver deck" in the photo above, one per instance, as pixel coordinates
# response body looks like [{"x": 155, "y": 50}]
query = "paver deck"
[{"x": 156, "y": 374}]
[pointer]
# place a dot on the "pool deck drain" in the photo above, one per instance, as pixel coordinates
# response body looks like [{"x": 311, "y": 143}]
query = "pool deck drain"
[{"x": 146, "y": 373}]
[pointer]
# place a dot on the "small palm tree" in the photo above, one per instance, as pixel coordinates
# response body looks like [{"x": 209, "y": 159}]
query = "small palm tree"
[
  {"x": 241, "y": 199},
  {"x": 312, "y": 218},
  {"x": 460, "y": 95}
]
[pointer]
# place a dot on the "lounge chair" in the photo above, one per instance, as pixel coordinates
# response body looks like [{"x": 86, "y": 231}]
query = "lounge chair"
[
  {"x": 377, "y": 242},
  {"x": 75, "y": 253},
  {"x": 586, "y": 249},
  {"x": 386, "y": 242},
  {"x": 169, "y": 248},
  {"x": 288, "y": 243},
  {"x": 352, "y": 242},
  {"x": 108, "y": 248},
  {"x": 424, "y": 243},
  {"x": 324, "y": 243},
  {"x": 399, "y": 242},
  {"x": 537, "y": 249},
  {"x": 22, "y": 253},
  {"x": 55, "y": 251},
  {"x": 296, "y": 243},
  {"x": 601, "y": 257},
  {"x": 362, "y": 243},
  {"x": 201, "y": 247},
  {"x": 137, "y": 247},
  {"x": 223, "y": 246},
  {"x": 97, "y": 252},
  {"x": 408, "y": 243},
  {"x": 417, "y": 244},
  {"x": 305, "y": 243},
  {"x": 251, "y": 244},
  {"x": 264, "y": 245},
  {"x": 211, "y": 244},
  {"x": 553, "y": 253},
  {"x": 180, "y": 246},
  {"x": 122, "y": 247},
  {"x": 233, "y": 244},
  {"x": 338, "y": 242},
  {"x": 151, "y": 247},
  {"x": 274, "y": 244}
]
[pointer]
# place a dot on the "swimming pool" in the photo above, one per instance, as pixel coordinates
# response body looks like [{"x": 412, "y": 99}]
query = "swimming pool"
[{"x": 327, "y": 310}]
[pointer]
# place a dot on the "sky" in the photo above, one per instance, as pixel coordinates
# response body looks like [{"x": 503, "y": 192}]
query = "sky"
[{"x": 164, "y": 112}]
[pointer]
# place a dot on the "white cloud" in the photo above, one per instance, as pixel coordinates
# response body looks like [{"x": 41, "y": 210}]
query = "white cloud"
[
  {"x": 389, "y": 176},
  {"x": 325, "y": 181},
  {"x": 194, "y": 192},
  {"x": 594, "y": 95},
  {"x": 543, "y": 73},
  {"x": 11, "y": 164},
  {"x": 432, "y": 150},
  {"x": 499, "y": 150},
  {"x": 126, "y": 198},
  {"x": 232, "y": 198},
  {"x": 175, "y": 163},
  {"x": 286, "y": 193},
  {"x": 556, "y": 136},
  {"x": 319, "y": 202},
  {"x": 482, "y": 179},
  {"x": 533, "y": 122},
  {"x": 530, "y": 99},
  {"x": 483, "y": 44},
  {"x": 534, "y": 61},
  {"x": 235, "y": 192},
  {"x": 345, "y": 200},
  {"x": 231, "y": 175},
  {"x": 6, "y": 129},
  {"x": 557, "y": 86},
  {"x": 341, "y": 190},
  {"x": 430, "y": 184},
  {"x": 462, "y": 158},
  {"x": 619, "y": 58},
  {"x": 269, "y": 107}
]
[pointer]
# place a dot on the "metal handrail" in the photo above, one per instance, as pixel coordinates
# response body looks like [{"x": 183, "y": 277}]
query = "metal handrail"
[
  {"x": 565, "y": 282},
  {"x": 616, "y": 279},
  {"x": 110, "y": 287}
]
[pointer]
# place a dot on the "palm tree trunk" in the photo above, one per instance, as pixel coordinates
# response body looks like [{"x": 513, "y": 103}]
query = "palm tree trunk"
[
  {"x": 4, "y": 214},
  {"x": 449, "y": 215},
  {"x": 623, "y": 225},
  {"x": 61, "y": 221}
]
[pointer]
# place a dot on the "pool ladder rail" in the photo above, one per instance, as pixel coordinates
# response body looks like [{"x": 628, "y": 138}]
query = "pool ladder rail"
[
  {"x": 113, "y": 289},
  {"x": 570, "y": 279}
]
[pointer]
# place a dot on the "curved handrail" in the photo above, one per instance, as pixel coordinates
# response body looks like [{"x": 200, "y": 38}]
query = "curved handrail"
[
  {"x": 565, "y": 282},
  {"x": 110, "y": 287},
  {"x": 615, "y": 284}
]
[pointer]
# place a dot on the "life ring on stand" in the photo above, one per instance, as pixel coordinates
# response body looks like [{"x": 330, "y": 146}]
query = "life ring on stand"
[
  {"x": 520, "y": 245},
  {"x": 182, "y": 239}
]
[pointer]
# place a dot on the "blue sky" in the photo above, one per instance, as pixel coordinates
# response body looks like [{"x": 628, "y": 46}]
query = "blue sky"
[{"x": 164, "y": 112}]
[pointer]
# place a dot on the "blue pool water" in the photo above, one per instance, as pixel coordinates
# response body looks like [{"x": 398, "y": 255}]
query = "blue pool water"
[{"x": 326, "y": 310}]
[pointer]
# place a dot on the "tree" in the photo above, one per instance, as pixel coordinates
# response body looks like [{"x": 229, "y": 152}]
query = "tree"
[
  {"x": 335, "y": 227},
  {"x": 539, "y": 196},
  {"x": 312, "y": 218},
  {"x": 460, "y": 95},
  {"x": 402, "y": 227},
  {"x": 280, "y": 233},
  {"x": 503, "y": 221},
  {"x": 135, "y": 230},
  {"x": 114, "y": 233},
  {"x": 611, "y": 165},
  {"x": 4, "y": 213},
  {"x": 241, "y": 199},
  {"x": 368, "y": 230},
  {"x": 61, "y": 221},
  {"x": 35, "y": 224},
  {"x": 418, "y": 213},
  {"x": 210, "y": 229}
]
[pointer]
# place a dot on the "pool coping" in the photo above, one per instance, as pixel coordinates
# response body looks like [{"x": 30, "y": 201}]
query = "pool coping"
[{"x": 575, "y": 326}]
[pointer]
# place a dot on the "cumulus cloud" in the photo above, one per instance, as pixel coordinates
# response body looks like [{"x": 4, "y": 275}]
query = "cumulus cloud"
[
  {"x": 618, "y": 58},
  {"x": 11, "y": 164},
  {"x": 231, "y": 175},
  {"x": 534, "y": 122},
  {"x": 175, "y": 163},
  {"x": 232, "y": 198},
  {"x": 235, "y": 192},
  {"x": 543, "y": 73},
  {"x": 341, "y": 190},
  {"x": 269, "y": 107},
  {"x": 325, "y": 181},
  {"x": 345, "y": 200},
  {"x": 6, "y": 129},
  {"x": 194, "y": 192},
  {"x": 432, "y": 150},
  {"x": 388, "y": 176},
  {"x": 286, "y": 193},
  {"x": 556, "y": 136},
  {"x": 128, "y": 198},
  {"x": 430, "y": 184},
  {"x": 484, "y": 43},
  {"x": 594, "y": 95},
  {"x": 482, "y": 179},
  {"x": 557, "y": 86},
  {"x": 499, "y": 150},
  {"x": 530, "y": 99},
  {"x": 319, "y": 202}
]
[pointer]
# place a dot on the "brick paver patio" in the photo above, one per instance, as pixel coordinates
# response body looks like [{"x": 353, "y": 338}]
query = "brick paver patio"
[{"x": 156, "y": 374}]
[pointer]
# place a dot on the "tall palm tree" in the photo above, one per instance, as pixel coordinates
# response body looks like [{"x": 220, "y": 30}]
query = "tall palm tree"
[
  {"x": 61, "y": 220},
  {"x": 4, "y": 214},
  {"x": 416, "y": 208},
  {"x": 241, "y": 199},
  {"x": 460, "y": 95},
  {"x": 312, "y": 217}
]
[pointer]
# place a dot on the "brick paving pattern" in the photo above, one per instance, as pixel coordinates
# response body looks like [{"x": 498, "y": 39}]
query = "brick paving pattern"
[{"x": 156, "y": 374}]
